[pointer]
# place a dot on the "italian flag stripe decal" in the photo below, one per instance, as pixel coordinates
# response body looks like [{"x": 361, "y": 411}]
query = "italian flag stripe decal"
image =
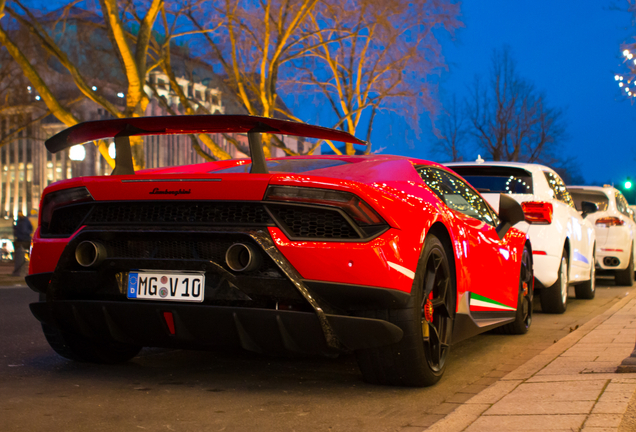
[{"x": 477, "y": 300}]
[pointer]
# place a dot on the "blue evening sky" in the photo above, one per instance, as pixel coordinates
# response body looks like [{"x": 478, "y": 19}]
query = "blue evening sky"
[{"x": 571, "y": 50}]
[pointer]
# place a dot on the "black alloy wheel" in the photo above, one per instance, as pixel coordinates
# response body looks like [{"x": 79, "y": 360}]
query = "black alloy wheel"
[
  {"x": 437, "y": 310},
  {"x": 523, "y": 316},
  {"x": 419, "y": 358}
]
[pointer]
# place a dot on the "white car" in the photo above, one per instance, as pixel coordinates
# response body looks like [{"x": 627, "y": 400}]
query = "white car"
[
  {"x": 615, "y": 229},
  {"x": 562, "y": 240}
]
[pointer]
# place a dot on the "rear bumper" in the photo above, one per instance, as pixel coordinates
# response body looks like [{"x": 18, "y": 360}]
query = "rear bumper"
[
  {"x": 622, "y": 256},
  {"x": 204, "y": 326}
]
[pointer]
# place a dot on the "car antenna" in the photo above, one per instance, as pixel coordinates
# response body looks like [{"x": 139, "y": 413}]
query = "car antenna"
[{"x": 479, "y": 160}]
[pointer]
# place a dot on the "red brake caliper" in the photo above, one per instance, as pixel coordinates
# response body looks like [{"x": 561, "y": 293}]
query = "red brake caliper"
[{"x": 428, "y": 315}]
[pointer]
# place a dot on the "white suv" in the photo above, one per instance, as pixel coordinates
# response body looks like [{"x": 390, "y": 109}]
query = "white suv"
[
  {"x": 562, "y": 240},
  {"x": 615, "y": 229}
]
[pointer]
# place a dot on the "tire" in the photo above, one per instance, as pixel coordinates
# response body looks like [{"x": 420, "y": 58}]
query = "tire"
[
  {"x": 626, "y": 277},
  {"x": 523, "y": 316},
  {"x": 587, "y": 289},
  {"x": 418, "y": 361},
  {"x": 78, "y": 348},
  {"x": 555, "y": 298}
]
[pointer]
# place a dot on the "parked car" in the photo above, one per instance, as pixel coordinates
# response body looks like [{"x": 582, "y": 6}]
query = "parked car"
[
  {"x": 388, "y": 257},
  {"x": 615, "y": 229},
  {"x": 562, "y": 239}
]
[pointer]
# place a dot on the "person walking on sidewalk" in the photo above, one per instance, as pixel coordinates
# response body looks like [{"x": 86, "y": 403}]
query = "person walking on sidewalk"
[{"x": 21, "y": 242}]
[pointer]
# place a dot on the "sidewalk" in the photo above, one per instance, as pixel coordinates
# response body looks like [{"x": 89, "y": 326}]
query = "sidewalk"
[{"x": 571, "y": 386}]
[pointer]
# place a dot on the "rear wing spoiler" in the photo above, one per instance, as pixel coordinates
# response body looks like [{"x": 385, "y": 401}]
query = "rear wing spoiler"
[{"x": 121, "y": 129}]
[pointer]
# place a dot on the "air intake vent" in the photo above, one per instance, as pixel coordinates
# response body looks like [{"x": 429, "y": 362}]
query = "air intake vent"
[{"x": 313, "y": 222}]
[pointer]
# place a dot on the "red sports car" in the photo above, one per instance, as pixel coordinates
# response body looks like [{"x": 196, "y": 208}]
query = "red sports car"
[{"x": 389, "y": 257}]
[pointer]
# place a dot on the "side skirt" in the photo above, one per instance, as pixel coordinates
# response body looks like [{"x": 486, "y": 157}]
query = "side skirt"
[{"x": 468, "y": 324}]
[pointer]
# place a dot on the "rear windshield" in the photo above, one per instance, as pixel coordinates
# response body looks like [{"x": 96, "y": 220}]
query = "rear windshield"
[
  {"x": 287, "y": 166},
  {"x": 597, "y": 197},
  {"x": 488, "y": 179}
]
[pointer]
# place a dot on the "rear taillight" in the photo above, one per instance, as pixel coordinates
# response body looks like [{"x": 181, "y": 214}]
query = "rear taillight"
[
  {"x": 353, "y": 206},
  {"x": 537, "y": 212},
  {"x": 61, "y": 198},
  {"x": 609, "y": 221}
]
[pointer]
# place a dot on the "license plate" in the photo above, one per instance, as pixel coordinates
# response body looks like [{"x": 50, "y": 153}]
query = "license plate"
[{"x": 164, "y": 285}]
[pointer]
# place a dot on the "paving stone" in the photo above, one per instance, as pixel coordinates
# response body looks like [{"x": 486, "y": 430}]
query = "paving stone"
[
  {"x": 459, "y": 419},
  {"x": 596, "y": 338},
  {"x": 603, "y": 420},
  {"x": 627, "y": 378},
  {"x": 561, "y": 368},
  {"x": 459, "y": 398},
  {"x": 425, "y": 421},
  {"x": 585, "y": 357},
  {"x": 524, "y": 422},
  {"x": 599, "y": 429},
  {"x": 601, "y": 367},
  {"x": 444, "y": 408},
  {"x": 540, "y": 408},
  {"x": 494, "y": 393},
  {"x": 578, "y": 377},
  {"x": 486, "y": 381},
  {"x": 529, "y": 368},
  {"x": 496, "y": 373},
  {"x": 598, "y": 348},
  {"x": 615, "y": 397},
  {"x": 508, "y": 367},
  {"x": 550, "y": 398},
  {"x": 620, "y": 387},
  {"x": 473, "y": 389},
  {"x": 609, "y": 408}
]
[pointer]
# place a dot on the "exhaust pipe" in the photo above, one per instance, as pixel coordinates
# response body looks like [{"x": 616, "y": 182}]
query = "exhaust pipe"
[
  {"x": 90, "y": 254},
  {"x": 611, "y": 261},
  {"x": 242, "y": 257}
]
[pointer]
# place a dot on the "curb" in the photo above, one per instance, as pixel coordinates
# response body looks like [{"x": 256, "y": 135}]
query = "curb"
[{"x": 466, "y": 414}]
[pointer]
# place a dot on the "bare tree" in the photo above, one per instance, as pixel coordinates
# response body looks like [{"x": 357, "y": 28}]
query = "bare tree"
[
  {"x": 253, "y": 45},
  {"x": 370, "y": 56},
  {"x": 510, "y": 118},
  {"x": 453, "y": 132},
  {"x": 132, "y": 52}
]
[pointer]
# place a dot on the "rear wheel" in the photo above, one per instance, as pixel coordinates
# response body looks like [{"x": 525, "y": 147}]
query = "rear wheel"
[
  {"x": 555, "y": 298},
  {"x": 587, "y": 289},
  {"x": 523, "y": 317},
  {"x": 626, "y": 277},
  {"x": 419, "y": 359},
  {"x": 78, "y": 348}
]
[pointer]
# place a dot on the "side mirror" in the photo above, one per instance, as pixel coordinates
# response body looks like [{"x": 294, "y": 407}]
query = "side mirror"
[
  {"x": 588, "y": 207},
  {"x": 510, "y": 213}
]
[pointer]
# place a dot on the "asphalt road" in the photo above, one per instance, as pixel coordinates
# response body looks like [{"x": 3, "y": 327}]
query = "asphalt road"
[{"x": 237, "y": 391}]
